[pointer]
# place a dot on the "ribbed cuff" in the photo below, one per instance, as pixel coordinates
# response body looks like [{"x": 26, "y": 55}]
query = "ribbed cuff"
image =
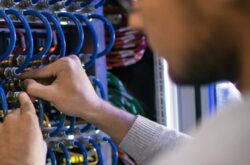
[{"x": 143, "y": 134}]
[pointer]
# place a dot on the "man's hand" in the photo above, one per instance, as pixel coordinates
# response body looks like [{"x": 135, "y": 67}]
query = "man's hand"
[
  {"x": 70, "y": 91},
  {"x": 21, "y": 140}
]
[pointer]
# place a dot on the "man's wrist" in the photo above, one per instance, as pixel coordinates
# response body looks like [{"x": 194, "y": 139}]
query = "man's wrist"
[{"x": 92, "y": 113}]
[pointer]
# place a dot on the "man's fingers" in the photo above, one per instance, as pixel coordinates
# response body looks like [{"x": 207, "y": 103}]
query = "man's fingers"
[
  {"x": 36, "y": 89},
  {"x": 26, "y": 104},
  {"x": 53, "y": 69},
  {"x": 46, "y": 72},
  {"x": 15, "y": 112}
]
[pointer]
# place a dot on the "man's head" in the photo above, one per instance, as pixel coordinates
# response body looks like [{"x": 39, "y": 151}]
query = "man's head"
[{"x": 200, "y": 39}]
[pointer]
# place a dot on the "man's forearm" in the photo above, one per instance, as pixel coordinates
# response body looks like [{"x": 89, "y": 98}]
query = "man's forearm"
[
  {"x": 139, "y": 137},
  {"x": 113, "y": 121}
]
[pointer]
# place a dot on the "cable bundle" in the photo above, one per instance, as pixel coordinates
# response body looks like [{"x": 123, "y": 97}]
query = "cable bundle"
[
  {"x": 67, "y": 151},
  {"x": 119, "y": 96},
  {"x": 130, "y": 45},
  {"x": 129, "y": 48},
  {"x": 33, "y": 38}
]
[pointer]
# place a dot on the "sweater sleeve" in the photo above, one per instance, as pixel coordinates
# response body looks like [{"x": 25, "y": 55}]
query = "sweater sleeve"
[{"x": 146, "y": 139}]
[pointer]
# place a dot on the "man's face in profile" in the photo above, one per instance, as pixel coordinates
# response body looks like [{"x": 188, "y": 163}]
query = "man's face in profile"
[{"x": 194, "y": 38}]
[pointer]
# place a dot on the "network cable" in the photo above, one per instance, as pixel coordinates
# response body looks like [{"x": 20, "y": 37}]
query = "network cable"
[
  {"x": 66, "y": 153},
  {"x": 100, "y": 86},
  {"x": 83, "y": 150},
  {"x": 29, "y": 37},
  {"x": 99, "y": 4},
  {"x": 52, "y": 156},
  {"x": 48, "y": 34},
  {"x": 35, "y": 1},
  {"x": 12, "y": 42},
  {"x": 52, "y": 2},
  {"x": 60, "y": 126},
  {"x": 111, "y": 30},
  {"x": 60, "y": 32},
  {"x": 80, "y": 31},
  {"x": 71, "y": 128},
  {"x": 4, "y": 102},
  {"x": 119, "y": 96},
  {"x": 94, "y": 38},
  {"x": 86, "y": 3},
  {"x": 114, "y": 149},
  {"x": 97, "y": 147}
]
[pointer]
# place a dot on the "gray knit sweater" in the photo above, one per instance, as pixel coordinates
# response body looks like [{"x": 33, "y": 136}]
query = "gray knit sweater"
[{"x": 224, "y": 140}]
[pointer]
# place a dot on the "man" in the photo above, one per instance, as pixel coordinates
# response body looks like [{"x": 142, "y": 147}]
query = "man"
[{"x": 203, "y": 41}]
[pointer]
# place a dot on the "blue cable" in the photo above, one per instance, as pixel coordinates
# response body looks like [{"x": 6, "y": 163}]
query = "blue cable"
[
  {"x": 66, "y": 153},
  {"x": 86, "y": 3},
  {"x": 98, "y": 150},
  {"x": 103, "y": 96},
  {"x": 52, "y": 156},
  {"x": 111, "y": 30},
  {"x": 86, "y": 128},
  {"x": 60, "y": 125},
  {"x": 12, "y": 43},
  {"x": 71, "y": 126},
  {"x": 29, "y": 37},
  {"x": 59, "y": 30},
  {"x": 52, "y": 2},
  {"x": 34, "y": 2},
  {"x": 4, "y": 102},
  {"x": 17, "y": 1},
  {"x": 80, "y": 31},
  {"x": 68, "y": 2},
  {"x": 94, "y": 37},
  {"x": 114, "y": 149},
  {"x": 100, "y": 4},
  {"x": 212, "y": 99},
  {"x": 49, "y": 33},
  {"x": 84, "y": 152},
  {"x": 100, "y": 86},
  {"x": 41, "y": 112}
]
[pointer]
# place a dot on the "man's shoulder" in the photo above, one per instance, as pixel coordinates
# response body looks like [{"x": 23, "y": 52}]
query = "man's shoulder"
[
  {"x": 237, "y": 112},
  {"x": 221, "y": 140}
]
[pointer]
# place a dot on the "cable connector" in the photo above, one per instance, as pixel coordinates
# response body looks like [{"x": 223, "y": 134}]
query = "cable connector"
[
  {"x": 12, "y": 97},
  {"x": 6, "y": 3},
  {"x": 10, "y": 72}
]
